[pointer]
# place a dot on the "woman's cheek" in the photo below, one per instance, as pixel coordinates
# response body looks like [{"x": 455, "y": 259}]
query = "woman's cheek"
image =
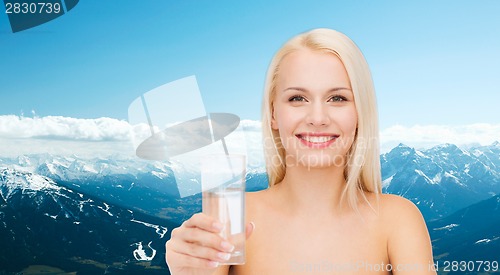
[{"x": 349, "y": 121}]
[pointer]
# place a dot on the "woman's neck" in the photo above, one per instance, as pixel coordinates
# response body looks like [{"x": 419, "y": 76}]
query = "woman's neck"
[{"x": 312, "y": 191}]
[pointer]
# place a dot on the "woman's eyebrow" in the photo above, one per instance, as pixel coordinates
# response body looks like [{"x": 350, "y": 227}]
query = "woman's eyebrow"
[{"x": 307, "y": 91}]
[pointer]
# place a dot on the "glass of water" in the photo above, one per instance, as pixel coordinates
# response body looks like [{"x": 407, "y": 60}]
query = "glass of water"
[{"x": 223, "y": 187}]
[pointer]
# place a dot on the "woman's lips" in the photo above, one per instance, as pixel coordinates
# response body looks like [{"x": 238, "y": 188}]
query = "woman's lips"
[{"x": 317, "y": 140}]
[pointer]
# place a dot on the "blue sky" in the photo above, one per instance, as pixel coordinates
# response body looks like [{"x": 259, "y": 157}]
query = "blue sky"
[{"x": 433, "y": 62}]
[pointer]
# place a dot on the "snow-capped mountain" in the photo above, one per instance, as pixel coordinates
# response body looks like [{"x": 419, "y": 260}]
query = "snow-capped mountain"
[
  {"x": 442, "y": 179},
  {"x": 97, "y": 216},
  {"x": 76, "y": 168},
  {"x": 44, "y": 223},
  {"x": 439, "y": 180},
  {"x": 147, "y": 186},
  {"x": 91, "y": 216},
  {"x": 144, "y": 186},
  {"x": 26, "y": 183}
]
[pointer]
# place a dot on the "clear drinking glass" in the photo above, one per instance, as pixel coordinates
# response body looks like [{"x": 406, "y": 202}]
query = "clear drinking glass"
[{"x": 223, "y": 187}]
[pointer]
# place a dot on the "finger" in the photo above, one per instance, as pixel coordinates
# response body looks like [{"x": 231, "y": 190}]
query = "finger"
[
  {"x": 175, "y": 259},
  {"x": 249, "y": 229},
  {"x": 201, "y": 252},
  {"x": 204, "y": 222},
  {"x": 205, "y": 238}
]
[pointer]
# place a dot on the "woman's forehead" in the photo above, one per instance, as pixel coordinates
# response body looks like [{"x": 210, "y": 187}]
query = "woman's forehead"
[{"x": 312, "y": 68}]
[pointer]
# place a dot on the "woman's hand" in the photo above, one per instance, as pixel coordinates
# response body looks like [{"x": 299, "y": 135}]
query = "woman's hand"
[{"x": 196, "y": 246}]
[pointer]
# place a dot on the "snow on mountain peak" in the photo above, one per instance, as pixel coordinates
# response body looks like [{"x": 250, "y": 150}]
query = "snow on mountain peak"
[
  {"x": 435, "y": 180},
  {"x": 444, "y": 173},
  {"x": 401, "y": 150},
  {"x": 80, "y": 166},
  {"x": 12, "y": 180},
  {"x": 23, "y": 161},
  {"x": 75, "y": 168}
]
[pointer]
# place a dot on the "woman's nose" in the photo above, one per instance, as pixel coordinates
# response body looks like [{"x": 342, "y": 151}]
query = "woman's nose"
[{"x": 317, "y": 115}]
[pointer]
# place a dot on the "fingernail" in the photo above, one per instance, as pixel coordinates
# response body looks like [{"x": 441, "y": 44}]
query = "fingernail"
[
  {"x": 213, "y": 264},
  {"x": 217, "y": 226},
  {"x": 223, "y": 256},
  {"x": 253, "y": 225},
  {"x": 227, "y": 246}
]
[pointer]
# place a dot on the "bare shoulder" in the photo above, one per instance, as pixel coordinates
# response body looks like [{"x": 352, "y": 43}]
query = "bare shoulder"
[
  {"x": 393, "y": 207},
  {"x": 391, "y": 211},
  {"x": 408, "y": 239},
  {"x": 401, "y": 217}
]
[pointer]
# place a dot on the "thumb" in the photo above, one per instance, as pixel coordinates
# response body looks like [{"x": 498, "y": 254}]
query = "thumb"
[{"x": 249, "y": 229}]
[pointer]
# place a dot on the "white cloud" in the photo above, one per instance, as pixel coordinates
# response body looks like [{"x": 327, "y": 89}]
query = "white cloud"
[
  {"x": 108, "y": 136},
  {"x": 64, "y": 136},
  {"x": 425, "y": 136},
  {"x": 67, "y": 128},
  {"x": 98, "y": 137}
]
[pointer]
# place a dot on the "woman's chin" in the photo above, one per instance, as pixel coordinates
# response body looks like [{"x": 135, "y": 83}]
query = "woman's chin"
[{"x": 315, "y": 161}]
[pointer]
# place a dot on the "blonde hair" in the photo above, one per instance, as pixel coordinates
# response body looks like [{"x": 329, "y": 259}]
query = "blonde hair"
[{"x": 362, "y": 172}]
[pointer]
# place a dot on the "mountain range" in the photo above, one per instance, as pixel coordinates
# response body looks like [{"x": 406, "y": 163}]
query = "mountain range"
[
  {"x": 42, "y": 222},
  {"x": 442, "y": 179},
  {"x": 90, "y": 216},
  {"x": 113, "y": 216},
  {"x": 470, "y": 234}
]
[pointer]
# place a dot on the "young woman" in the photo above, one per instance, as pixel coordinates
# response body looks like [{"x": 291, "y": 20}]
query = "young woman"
[{"x": 323, "y": 212}]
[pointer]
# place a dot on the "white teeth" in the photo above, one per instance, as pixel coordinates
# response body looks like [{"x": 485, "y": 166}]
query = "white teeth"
[{"x": 317, "y": 139}]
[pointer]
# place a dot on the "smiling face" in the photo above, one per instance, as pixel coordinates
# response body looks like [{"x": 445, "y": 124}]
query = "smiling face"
[{"x": 313, "y": 109}]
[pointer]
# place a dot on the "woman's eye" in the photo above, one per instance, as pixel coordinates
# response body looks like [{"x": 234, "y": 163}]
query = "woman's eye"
[
  {"x": 338, "y": 98},
  {"x": 296, "y": 98}
]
